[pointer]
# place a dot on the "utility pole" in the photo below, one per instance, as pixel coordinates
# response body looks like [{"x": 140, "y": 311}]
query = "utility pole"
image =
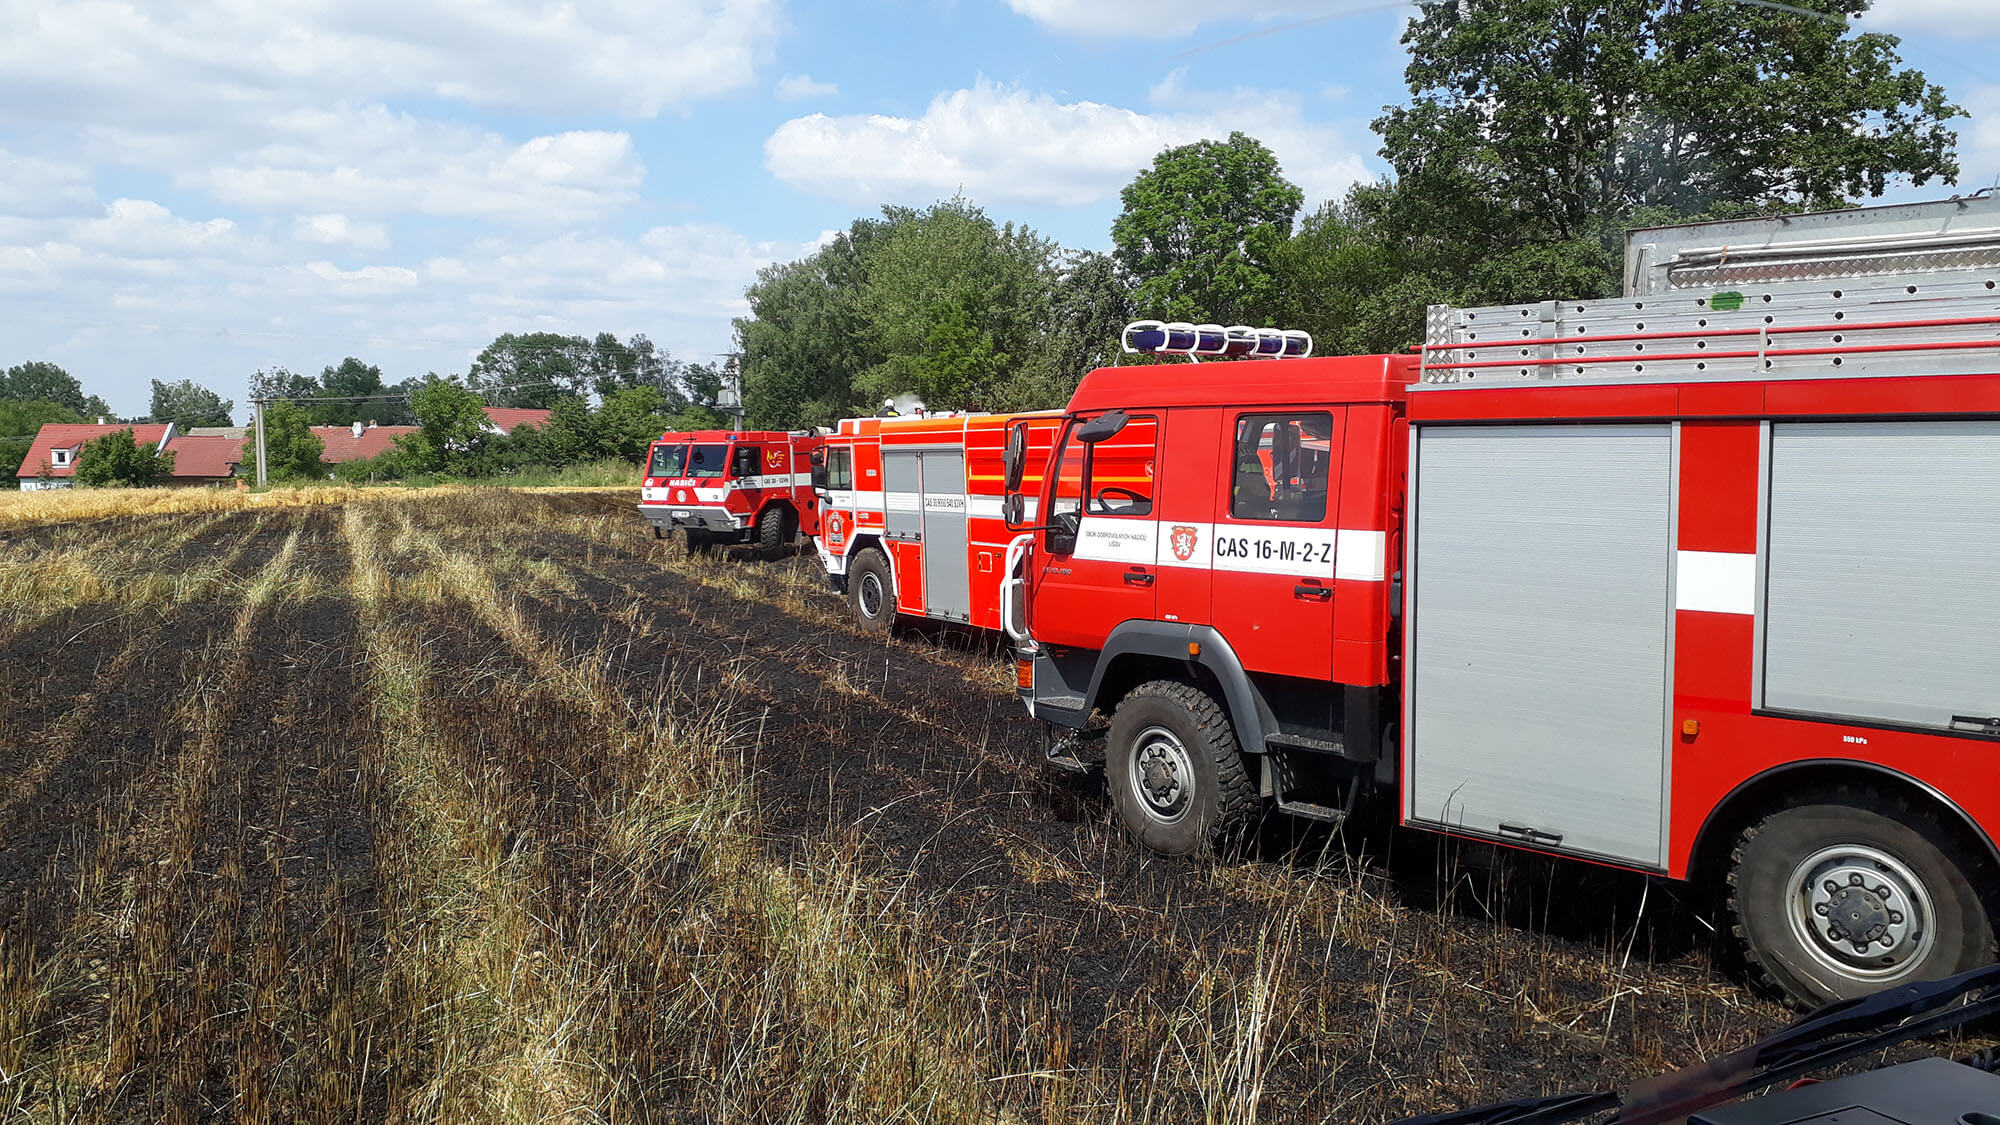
[
  {"x": 730, "y": 400},
  {"x": 257, "y": 420}
]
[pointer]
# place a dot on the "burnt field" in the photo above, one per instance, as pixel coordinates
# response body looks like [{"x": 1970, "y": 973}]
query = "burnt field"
[{"x": 486, "y": 806}]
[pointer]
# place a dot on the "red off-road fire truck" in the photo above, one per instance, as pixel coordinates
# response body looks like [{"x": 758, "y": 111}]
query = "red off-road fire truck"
[
  {"x": 721, "y": 486},
  {"x": 910, "y": 513},
  {"x": 1700, "y": 582}
]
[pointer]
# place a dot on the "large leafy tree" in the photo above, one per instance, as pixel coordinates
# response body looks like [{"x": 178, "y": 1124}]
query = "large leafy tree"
[
  {"x": 117, "y": 459},
  {"x": 291, "y": 450},
  {"x": 453, "y": 420},
  {"x": 806, "y": 340},
  {"x": 1081, "y": 317},
  {"x": 1199, "y": 228},
  {"x": 1548, "y": 120},
  {"x": 352, "y": 379},
  {"x": 533, "y": 370},
  {"x": 41, "y": 381},
  {"x": 187, "y": 403},
  {"x": 950, "y": 296}
]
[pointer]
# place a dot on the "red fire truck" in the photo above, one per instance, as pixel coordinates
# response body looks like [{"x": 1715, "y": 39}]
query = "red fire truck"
[
  {"x": 721, "y": 486},
  {"x": 911, "y": 513},
  {"x": 1699, "y": 582}
]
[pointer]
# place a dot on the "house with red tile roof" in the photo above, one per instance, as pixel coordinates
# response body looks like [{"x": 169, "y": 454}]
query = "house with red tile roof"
[
  {"x": 363, "y": 440},
  {"x": 51, "y": 460}
]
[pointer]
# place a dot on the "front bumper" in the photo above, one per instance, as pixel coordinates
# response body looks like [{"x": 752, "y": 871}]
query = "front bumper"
[{"x": 719, "y": 521}]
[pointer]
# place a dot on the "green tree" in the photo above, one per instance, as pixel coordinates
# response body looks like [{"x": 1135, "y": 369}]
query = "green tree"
[
  {"x": 352, "y": 379},
  {"x": 532, "y": 370},
  {"x": 806, "y": 339},
  {"x": 116, "y": 459},
  {"x": 282, "y": 383},
  {"x": 453, "y": 437},
  {"x": 41, "y": 381},
  {"x": 628, "y": 421},
  {"x": 1557, "y": 120},
  {"x": 950, "y": 296},
  {"x": 1199, "y": 228},
  {"x": 19, "y": 423},
  {"x": 186, "y": 403},
  {"x": 1082, "y": 317},
  {"x": 291, "y": 450}
]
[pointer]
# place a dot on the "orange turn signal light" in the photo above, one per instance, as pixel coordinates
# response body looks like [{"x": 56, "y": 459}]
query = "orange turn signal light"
[
  {"x": 1024, "y": 675},
  {"x": 1690, "y": 727},
  {"x": 1194, "y": 648}
]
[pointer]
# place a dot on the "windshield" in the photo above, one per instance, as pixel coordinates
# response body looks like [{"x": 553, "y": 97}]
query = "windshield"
[
  {"x": 707, "y": 462},
  {"x": 667, "y": 460}
]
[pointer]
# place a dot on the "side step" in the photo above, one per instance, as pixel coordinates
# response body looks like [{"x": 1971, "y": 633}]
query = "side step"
[{"x": 1062, "y": 753}]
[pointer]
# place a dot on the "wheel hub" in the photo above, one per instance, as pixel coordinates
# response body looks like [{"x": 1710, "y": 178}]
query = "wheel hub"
[
  {"x": 1861, "y": 911},
  {"x": 1162, "y": 774},
  {"x": 871, "y": 595}
]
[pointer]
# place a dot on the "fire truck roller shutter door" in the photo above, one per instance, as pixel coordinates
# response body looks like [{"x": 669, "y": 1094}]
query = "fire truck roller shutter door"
[
  {"x": 902, "y": 494},
  {"x": 947, "y": 581},
  {"x": 1880, "y": 593},
  {"x": 1541, "y": 617}
]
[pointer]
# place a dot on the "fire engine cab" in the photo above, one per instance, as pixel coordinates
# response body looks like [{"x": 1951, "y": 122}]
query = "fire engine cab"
[
  {"x": 910, "y": 513},
  {"x": 1699, "y": 582},
  {"x": 720, "y": 486}
]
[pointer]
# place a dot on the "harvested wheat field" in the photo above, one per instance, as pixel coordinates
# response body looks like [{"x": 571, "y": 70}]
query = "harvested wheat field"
[{"x": 486, "y": 806}]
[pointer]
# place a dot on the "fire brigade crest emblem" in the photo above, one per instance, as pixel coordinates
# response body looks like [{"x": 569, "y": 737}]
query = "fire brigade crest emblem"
[
  {"x": 775, "y": 458},
  {"x": 1183, "y": 542}
]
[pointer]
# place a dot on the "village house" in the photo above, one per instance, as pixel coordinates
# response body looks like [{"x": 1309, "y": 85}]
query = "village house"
[
  {"x": 211, "y": 454},
  {"x": 198, "y": 459}
]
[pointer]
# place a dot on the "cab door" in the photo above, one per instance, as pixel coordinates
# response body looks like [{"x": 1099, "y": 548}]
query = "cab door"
[
  {"x": 1106, "y": 572},
  {"x": 1275, "y": 538}
]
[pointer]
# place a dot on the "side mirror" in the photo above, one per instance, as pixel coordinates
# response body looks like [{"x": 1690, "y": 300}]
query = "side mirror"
[
  {"x": 1101, "y": 427},
  {"x": 819, "y": 476},
  {"x": 1014, "y": 458},
  {"x": 1014, "y": 510}
]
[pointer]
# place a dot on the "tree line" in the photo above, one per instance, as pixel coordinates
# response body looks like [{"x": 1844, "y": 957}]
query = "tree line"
[{"x": 1536, "y": 132}]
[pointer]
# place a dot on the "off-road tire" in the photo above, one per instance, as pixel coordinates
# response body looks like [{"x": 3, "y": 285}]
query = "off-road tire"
[
  {"x": 870, "y": 567},
  {"x": 1771, "y": 852},
  {"x": 1220, "y": 802},
  {"x": 699, "y": 541},
  {"x": 773, "y": 532}
]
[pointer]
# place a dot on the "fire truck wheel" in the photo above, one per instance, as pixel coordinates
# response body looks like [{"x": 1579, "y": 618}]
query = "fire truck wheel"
[
  {"x": 1836, "y": 900},
  {"x": 871, "y": 591},
  {"x": 1175, "y": 771},
  {"x": 772, "y": 532}
]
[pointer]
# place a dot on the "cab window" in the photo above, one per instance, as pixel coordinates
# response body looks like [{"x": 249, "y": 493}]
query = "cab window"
[
  {"x": 1121, "y": 470},
  {"x": 1066, "y": 497},
  {"x": 707, "y": 462},
  {"x": 667, "y": 460},
  {"x": 839, "y": 469},
  {"x": 746, "y": 462},
  {"x": 1281, "y": 466}
]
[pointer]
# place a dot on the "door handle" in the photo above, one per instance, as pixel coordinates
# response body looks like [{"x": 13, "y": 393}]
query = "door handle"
[
  {"x": 1312, "y": 593},
  {"x": 1138, "y": 578}
]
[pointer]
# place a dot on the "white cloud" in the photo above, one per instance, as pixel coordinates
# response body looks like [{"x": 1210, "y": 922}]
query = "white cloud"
[
  {"x": 624, "y": 56},
  {"x": 140, "y": 226},
  {"x": 799, "y": 87},
  {"x": 35, "y": 187},
  {"x": 1004, "y": 145},
  {"x": 1952, "y": 19},
  {"x": 372, "y": 161},
  {"x": 1979, "y": 139},
  {"x": 366, "y": 281},
  {"x": 337, "y": 230},
  {"x": 1162, "y": 19}
]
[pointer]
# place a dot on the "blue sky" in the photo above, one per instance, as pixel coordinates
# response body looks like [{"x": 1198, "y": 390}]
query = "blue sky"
[{"x": 205, "y": 189}]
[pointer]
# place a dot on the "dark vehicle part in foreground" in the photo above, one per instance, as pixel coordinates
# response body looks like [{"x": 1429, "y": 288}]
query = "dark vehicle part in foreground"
[{"x": 1932, "y": 1091}]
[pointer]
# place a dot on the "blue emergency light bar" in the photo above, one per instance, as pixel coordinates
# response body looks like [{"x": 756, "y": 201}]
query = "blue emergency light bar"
[{"x": 1154, "y": 337}]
